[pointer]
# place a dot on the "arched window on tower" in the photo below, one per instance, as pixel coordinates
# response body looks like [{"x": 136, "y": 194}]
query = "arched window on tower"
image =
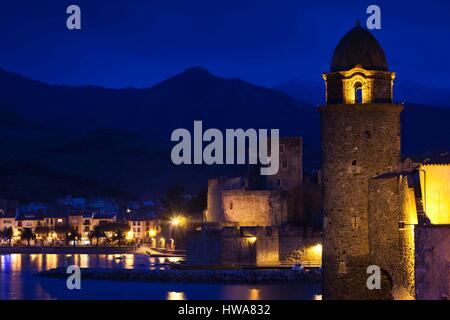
[{"x": 358, "y": 92}]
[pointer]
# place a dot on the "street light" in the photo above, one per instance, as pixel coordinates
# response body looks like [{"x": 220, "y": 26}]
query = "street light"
[{"x": 177, "y": 221}]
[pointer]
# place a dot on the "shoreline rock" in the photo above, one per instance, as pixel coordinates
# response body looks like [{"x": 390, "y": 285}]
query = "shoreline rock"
[{"x": 240, "y": 276}]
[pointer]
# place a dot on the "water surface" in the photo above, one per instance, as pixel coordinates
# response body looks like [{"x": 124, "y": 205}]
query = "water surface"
[{"x": 18, "y": 282}]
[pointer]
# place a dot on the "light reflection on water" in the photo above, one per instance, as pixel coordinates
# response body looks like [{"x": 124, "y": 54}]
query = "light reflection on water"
[
  {"x": 173, "y": 295},
  {"x": 17, "y": 281},
  {"x": 254, "y": 294},
  {"x": 40, "y": 262}
]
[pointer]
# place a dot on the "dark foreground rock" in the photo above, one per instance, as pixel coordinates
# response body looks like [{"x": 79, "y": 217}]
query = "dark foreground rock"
[{"x": 195, "y": 276}]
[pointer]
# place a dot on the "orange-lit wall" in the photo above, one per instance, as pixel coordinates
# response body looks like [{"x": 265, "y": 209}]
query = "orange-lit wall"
[{"x": 435, "y": 182}]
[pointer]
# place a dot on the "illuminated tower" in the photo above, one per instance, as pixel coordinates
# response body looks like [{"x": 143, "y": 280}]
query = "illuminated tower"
[{"x": 360, "y": 129}]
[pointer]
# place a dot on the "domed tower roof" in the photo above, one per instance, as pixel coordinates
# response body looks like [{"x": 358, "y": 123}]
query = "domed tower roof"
[{"x": 358, "y": 46}]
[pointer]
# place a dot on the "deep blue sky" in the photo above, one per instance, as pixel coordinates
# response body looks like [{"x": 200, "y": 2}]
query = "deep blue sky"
[{"x": 138, "y": 43}]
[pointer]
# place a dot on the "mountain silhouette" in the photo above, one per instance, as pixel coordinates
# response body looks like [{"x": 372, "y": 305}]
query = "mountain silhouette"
[
  {"x": 174, "y": 103},
  {"x": 120, "y": 138}
]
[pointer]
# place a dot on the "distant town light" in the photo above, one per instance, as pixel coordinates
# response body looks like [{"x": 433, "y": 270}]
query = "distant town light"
[
  {"x": 178, "y": 221},
  {"x": 152, "y": 233},
  {"x": 129, "y": 235},
  {"x": 173, "y": 295}
]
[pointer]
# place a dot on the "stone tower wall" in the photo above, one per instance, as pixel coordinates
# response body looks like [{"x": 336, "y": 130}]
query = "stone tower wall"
[
  {"x": 214, "y": 206},
  {"x": 377, "y": 86},
  {"x": 216, "y": 187},
  {"x": 291, "y": 175},
  {"x": 392, "y": 215},
  {"x": 359, "y": 141}
]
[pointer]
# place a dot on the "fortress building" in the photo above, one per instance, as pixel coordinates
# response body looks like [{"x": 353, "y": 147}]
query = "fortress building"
[{"x": 254, "y": 219}]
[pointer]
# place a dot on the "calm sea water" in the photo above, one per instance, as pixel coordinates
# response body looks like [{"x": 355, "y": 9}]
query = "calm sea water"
[{"x": 17, "y": 282}]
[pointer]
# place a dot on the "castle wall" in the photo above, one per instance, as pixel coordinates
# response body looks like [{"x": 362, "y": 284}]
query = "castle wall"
[
  {"x": 296, "y": 247},
  {"x": 234, "y": 246},
  {"x": 214, "y": 212},
  {"x": 255, "y": 207},
  {"x": 432, "y": 262},
  {"x": 294, "y": 202},
  {"x": 290, "y": 173},
  {"x": 312, "y": 203},
  {"x": 204, "y": 247}
]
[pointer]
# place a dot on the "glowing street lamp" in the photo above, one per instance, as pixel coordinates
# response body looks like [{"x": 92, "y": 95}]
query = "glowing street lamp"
[
  {"x": 177, "y": 221},
  {"x": 129, "y": 235}
]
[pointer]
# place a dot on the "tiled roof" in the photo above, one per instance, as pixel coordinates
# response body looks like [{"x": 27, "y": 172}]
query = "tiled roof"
[
  {"x": 388, "y": 175},
  {"x": 440, "y": 159},
  {"x": 8, "y": 214},
  {"x": 141, "y": 218},
  {"x": 104, "y": 215},
  {"x": 29, "y": 216}
]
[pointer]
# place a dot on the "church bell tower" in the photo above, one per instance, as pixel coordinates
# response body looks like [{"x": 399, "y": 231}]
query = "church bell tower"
[{"x": 360, "y": 136}]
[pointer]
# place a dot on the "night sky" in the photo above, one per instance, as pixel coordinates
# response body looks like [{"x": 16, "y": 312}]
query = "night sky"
[{"x": 138, "y": 43}]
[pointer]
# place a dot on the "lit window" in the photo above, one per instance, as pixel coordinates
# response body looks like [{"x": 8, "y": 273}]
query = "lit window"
[
  {"x": 355, "y": 222},
  {"x": 342, "y": 267},
  {"x": 354, "y": 168},
  {"x": 358, "y": 93}
]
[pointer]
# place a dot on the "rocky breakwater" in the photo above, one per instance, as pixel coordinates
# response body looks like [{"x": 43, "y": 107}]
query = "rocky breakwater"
[{"x": 193, "y": 276}]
